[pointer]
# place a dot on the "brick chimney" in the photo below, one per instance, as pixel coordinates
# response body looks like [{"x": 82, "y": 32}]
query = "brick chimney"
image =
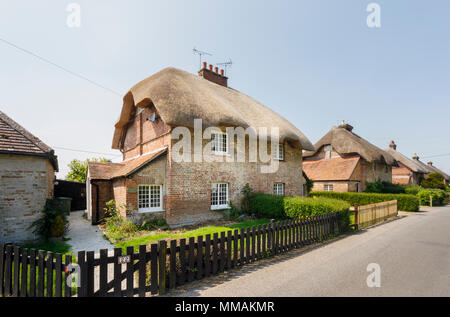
[
  {"x": 430, "y": 163},
  {"x": 393, "y": 146},
  {"x": 213, "y": 75}
]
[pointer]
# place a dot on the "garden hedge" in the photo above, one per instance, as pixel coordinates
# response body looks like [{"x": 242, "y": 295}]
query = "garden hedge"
[
  {"x": 437, "y": 194},
  {"x": 405, "y": 202},
  {"x": 272, "y": 206}
]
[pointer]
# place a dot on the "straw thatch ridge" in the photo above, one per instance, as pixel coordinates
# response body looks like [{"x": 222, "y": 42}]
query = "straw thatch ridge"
[
  {"x": 346, "y": 142},
  {"x": 180, "y": 97},
  {"x": 409, "y": 163}
]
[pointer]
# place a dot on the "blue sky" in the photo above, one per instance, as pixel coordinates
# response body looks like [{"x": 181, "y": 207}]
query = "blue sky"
[{"x": 314, "y": 62}]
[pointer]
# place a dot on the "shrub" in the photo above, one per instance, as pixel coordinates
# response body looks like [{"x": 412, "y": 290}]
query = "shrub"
[
  {"x": 433, "y": 180},
  {"x": 267, "y": 206},
  {"x": 384, "y": 187},
  {"x": 298, "y": 207},
  {"x": 57, "y": 229},
  {"x": 437, "y": 194},
  {"x": 44, "y": 225},
  {"x": 405, "y": 202},
  {"x": 412, "y": 189},
  {"x": 115, "y": 226}
]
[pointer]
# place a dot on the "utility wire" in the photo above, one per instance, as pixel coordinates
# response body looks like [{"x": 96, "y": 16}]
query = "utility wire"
[
  {"x": 438, "y": 155},
  {"x": 85, "y": 151},
  {"x": 60, "y": 67}
]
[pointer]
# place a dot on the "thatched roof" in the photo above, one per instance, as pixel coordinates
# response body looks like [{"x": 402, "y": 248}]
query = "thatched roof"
[
  {"x": 15, "y": 139},
  {"x": 344, "y": 141},
  {"x": 180, "y": 97},
  {"x": 409, "y": 163}
]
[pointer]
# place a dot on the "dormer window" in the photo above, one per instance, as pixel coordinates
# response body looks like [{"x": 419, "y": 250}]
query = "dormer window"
[
  {"x": 279, "y": 152},
  {"x": 328, "y": 149},
  {"x": 219, "y": 143}
]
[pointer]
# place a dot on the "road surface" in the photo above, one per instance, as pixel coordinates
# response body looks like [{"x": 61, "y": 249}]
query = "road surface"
[{"x": 413, "y": 254}]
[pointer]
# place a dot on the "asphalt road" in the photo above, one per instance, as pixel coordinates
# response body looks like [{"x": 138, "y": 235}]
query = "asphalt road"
[{"x": 413, "y": 254}]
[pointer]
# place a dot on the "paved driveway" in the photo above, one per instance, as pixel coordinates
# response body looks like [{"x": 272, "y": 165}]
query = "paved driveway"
[
  {"x": 413, "y": 253},
  {"x": 84, "y": 236}
]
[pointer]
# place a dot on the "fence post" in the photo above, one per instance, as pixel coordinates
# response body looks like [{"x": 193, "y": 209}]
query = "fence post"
[
  {"x": 356, "y": 217},
  {"x": 162, "y": 266}
]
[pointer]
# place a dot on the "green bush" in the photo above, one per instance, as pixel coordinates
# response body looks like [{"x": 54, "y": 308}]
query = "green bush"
[
  {"x": 279, "y": 207},
  {"x": 405, "y": 202},
  {"x": 298, "y": 207},
  {"x": 437, "y": 194},
  {"x": 412, "y": 189},
  {"x": 433, "y": 180},
  {"x": 267, "y": 206},
  {"x": 384, "y": 188},
  {"x": 44, "y": 226}
]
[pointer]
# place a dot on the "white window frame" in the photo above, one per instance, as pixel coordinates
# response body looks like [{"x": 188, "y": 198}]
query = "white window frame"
[
  {"x": 150, "y": 209},
  {"x": 219, "y": 152},
  {"x": 219, "y": 206},
  {"x": 279, "y": 154},
  {"x": 276, "y": 189},
  {"x": 328, "y": 187}
]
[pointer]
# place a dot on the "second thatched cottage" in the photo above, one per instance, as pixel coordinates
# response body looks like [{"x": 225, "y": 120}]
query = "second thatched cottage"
[
  {"x": 344, "y": 162},
  {"x": 151, "y": 181}
]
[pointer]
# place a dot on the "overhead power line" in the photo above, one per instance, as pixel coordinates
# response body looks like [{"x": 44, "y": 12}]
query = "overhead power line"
[
  {"x": 85, "y": 151},
  {"x": 60, "y": 67},
  {"x": 438, "y": 155}
]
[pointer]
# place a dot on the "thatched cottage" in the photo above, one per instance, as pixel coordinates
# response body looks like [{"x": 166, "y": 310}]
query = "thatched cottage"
[
  {"x": 150, "y": 182},
  {"x": 408, "y": 171},
  {"x": 343, "y": 161},
  {"x": 27, "y": 173},
  {"x": 430, "y": 168}
]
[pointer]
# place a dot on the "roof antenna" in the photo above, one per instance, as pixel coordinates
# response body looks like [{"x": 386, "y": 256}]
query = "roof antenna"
[
  {"x": 200, "y": 53},
  {"x": 226, "y": 64}
]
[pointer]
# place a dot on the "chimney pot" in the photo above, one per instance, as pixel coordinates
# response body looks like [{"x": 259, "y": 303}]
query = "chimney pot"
[
  {"x": 210, "y": 66},
  {"x": 393, "y": 145},
  {"x": 415, "y": 157},
  {"x": 204, "y": 64},
  {"x": 216, "y": 70},
  {"x": 221, "y": 72},
  {"x": 430, "y": 163}
]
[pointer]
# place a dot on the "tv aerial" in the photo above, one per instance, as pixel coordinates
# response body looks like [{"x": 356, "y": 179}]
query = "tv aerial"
[
  {"x": 200, "y": 53},
  {"x": 226, "y": 65}
]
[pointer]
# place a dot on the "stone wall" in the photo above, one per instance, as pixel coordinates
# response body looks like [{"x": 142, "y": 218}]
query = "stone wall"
[{"x": 26, "y": 182}]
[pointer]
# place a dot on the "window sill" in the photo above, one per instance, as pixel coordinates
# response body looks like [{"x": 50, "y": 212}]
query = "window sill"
[
  {"x": 146, "y": 211},
  {"x": 221, "y": 207},
  {"x": 221, "y": 153}
]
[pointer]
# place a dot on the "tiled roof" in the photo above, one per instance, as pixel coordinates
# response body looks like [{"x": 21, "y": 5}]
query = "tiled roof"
[
  {"x": 15, "y": 139},
  {"x": 340, "y": 168},
  {"x": 100, "y": 170}
]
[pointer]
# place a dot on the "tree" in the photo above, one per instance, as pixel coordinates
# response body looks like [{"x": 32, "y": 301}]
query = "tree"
[
  {"x": 433, "y": 180},
  {"x": 78, "y": 169}
]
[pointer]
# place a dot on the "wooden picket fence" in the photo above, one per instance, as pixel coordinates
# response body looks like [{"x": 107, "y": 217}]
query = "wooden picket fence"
[
  {"x": 157, "y": 267},
  {"x": 371, "y": 214}
]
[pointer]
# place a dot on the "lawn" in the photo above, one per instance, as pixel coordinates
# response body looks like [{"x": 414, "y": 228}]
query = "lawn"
[{"x": 155, "y": 236}]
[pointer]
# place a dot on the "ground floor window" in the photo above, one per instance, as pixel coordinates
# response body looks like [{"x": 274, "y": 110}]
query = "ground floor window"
[
  {"x": 328, "y": 187},
  {"x": 278, "y": 189},
  {"x": 149, "y": 198},
  {"x": 357, "y": 187},
  {"x": 219, "y": 196}
]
